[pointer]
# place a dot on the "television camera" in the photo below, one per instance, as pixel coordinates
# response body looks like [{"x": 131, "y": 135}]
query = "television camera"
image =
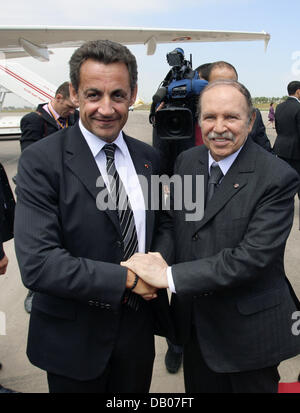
[{"x": 179, "y": 91}]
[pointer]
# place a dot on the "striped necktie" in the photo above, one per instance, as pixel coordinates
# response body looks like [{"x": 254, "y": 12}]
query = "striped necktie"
[
  {"x": 215, "y": 176},
  {"x": 126, "y": 218}
]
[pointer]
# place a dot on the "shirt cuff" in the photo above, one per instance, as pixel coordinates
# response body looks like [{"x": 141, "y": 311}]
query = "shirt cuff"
[{"x": 170, "y": 280}]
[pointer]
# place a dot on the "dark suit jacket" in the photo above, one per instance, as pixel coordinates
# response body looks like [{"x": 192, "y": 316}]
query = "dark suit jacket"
[
  {"x": 69, "y": 253},
  {"x": 36, "y": 125},
  {"x": 287, "y": 124},
  {"x": 7, "y": 210},
  {"x": 258, "y": 132},
  {"x": 229, "y": 273}
]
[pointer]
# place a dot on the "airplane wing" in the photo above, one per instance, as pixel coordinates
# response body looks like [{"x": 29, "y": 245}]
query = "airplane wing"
[{"x": 35, "y": 41}]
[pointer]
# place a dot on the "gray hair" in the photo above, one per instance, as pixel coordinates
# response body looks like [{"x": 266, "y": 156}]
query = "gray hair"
[
  {"x": 241, "y": 88},
  {"x": 103, "y": 51}
]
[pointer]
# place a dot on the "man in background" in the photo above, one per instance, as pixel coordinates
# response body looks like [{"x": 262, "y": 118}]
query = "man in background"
[
  {"x": 49, "y": 117},
  {"x": 287, "y": 124}
]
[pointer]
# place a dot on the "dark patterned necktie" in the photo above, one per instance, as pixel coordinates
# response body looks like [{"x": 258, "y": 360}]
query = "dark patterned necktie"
[
  {"x": 126, "y": 218},
  {"x": 215, "y": 176},
  {"x": 62, "y": 122}
]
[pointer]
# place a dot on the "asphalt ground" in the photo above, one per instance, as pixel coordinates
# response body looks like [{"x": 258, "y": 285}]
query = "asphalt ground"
[{"x": 17, "y": 372}]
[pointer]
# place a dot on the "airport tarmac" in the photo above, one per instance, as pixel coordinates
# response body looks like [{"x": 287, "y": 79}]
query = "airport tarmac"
[{"x": 18, "y": 373}]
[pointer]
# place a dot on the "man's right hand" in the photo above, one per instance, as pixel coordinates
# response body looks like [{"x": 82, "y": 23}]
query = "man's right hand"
[
  {"x": 3, "y": 265},
  {"x": 146, "y": 291}
]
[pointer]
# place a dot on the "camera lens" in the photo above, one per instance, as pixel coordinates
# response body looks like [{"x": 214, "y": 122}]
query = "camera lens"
[{"x": 174, "y": 124}]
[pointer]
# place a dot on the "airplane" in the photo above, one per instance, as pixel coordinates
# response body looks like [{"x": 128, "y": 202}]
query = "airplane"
[
  {"x": 23, "y": 41},
  {"x": 37, "y": 42}
]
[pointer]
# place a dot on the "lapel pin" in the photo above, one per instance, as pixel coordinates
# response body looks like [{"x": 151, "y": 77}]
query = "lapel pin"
[
  {"x": 236, "y": 185},
  {"x": 146, "y": 165}
]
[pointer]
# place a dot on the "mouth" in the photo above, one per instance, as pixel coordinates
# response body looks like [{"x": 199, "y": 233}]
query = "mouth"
[
  {"x": 104, "y": 122},
  {"x": 221, "y": 141}
]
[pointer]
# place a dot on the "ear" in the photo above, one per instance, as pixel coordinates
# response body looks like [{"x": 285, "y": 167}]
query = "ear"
[
  {"x": 133, "y": 96},
  {"x": 252, "y": 120},
  {"x": 59, "y": 97},
  {"x": 73, "y": 95}
]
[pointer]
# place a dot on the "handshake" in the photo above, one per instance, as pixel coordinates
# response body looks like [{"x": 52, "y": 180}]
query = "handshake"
[{"x": 151, "y": 269}]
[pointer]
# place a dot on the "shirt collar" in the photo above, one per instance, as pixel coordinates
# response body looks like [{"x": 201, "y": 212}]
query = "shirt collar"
[
  {"x": 294, "y": 97},
  {"x": 56, "y": 115},
  {"x": 96, "y": 144},
  {"x": 225, "y": 163}
]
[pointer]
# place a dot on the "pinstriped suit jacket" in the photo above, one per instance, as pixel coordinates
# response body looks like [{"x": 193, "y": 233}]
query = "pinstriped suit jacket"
[
  {"x": 69, "y": 253},
  {"x": 229, "y": 267}
]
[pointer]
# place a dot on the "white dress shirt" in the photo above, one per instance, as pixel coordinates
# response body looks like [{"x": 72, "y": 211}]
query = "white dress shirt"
[{"x": 128, "y": 175}]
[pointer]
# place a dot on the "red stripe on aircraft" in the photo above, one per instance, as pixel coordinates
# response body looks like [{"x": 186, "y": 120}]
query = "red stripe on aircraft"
[{"x": 18, "y": 77}]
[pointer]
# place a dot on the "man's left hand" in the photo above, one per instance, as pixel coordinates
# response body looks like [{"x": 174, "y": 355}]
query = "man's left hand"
[{"x": 151, "y": 267}]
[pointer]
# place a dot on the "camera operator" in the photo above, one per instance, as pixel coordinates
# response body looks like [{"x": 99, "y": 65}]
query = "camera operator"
[{"x": 173, "y": 110}]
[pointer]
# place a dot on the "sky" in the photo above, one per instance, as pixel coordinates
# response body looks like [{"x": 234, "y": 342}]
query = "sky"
[{"x": 263, "y": 73}]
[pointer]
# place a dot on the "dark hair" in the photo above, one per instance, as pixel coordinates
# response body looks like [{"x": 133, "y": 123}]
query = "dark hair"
[
  {"x": 63, "y": 90},
  {"x": 203, "y": 70},
  {"x": 104, "y": 51},
  {"x": 221, "y": 64},
  {"x": 293, "y": 87},
  {"x": 241, "y": 88}
]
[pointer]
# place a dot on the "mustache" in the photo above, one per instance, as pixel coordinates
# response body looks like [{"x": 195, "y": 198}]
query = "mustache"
[{"x": 226, "y": 135}]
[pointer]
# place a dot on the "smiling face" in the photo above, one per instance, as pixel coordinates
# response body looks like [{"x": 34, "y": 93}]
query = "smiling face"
[
  {"x": 224, "y": 120},
  {"x": 104, "y": 97}
]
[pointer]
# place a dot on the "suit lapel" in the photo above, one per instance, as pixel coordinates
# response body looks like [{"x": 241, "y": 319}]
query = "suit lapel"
[
  {"x": 144, "y": 170},
  {"x": 236, "y": 178},
  {"x": 48, "y": 118},
  {"x": 80, "y": 160}
]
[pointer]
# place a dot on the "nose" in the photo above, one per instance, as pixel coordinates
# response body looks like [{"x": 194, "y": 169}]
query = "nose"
[
  {"x": 106, "y": 106},
  {"x": 219, "y": 126}
]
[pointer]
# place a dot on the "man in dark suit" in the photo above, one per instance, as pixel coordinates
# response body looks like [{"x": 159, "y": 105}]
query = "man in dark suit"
[
  {"x": 7, "y": 210},
  {"x": 287, "y": 124},
  {"x": 232, "y": 302},
  {"x": 92, "y": 322},
  {"x": 212, "y": 72},
  {"x": 49, "y": 117}
]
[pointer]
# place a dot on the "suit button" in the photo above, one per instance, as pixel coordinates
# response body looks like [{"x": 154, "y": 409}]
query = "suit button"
[
  {"x": 120, "y": 244},
  {"x": 91, "y": 303},
  {"x": 195, "y": 237}
]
